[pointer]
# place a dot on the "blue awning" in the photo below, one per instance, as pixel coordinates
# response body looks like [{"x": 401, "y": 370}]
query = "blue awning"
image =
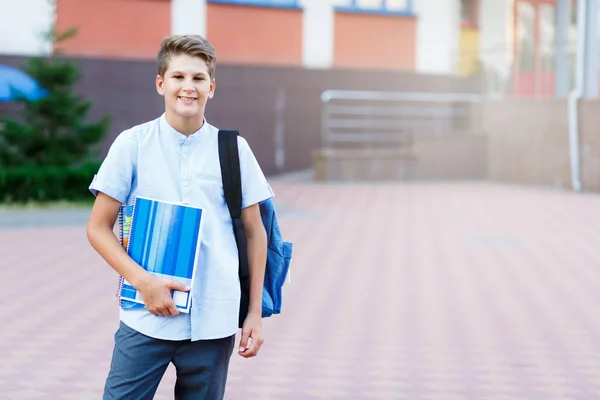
[{"x": 15, "y": 83}]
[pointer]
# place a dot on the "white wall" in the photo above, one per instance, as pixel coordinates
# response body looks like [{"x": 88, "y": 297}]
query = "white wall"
[
  {"x": 22, "y": 24},
  {"x": 188, "y": 17},
  {"x": 438, "y": 29}
]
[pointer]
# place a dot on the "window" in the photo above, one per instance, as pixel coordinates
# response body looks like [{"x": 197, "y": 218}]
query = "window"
[
  {"x": 267, "y": 3},
  {"x": 525, "y": 36},
  {"x": 547, "y": 36},
  {"x": 468, "y": 13},
  {"x": 376, "y": 6},
  {"x": 398, "y": 5}
]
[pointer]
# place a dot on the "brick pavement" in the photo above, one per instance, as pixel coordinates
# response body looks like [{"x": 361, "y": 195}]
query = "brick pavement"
[{"x": 419, "y": 291}]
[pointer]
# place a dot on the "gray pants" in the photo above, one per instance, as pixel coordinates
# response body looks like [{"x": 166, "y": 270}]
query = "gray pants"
[{"x": 139, "y": 363}]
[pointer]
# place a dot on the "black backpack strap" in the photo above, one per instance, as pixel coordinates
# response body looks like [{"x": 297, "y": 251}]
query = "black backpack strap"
[{"x": 229, "y": 159}]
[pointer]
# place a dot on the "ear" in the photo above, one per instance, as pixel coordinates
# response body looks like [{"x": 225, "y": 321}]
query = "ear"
[
  {"x": 160, "y": 85},
  {"x": 213, "y": 85}
]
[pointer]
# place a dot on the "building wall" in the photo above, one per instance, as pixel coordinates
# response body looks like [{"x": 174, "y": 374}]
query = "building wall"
[
  {"x": 21, "y": 29},
  {"x": 451, "y": 157},
  {"x": 188, "y": 17},
  {"x": 314, "y": 34},
  {"x": 536, "y": 150},
  {"x": 590, "y": 144},
  {"x": 255, "y": 35},
  {"x": 129, "y": 29},
  {"x": 317, "y": 33},
  {"x": 247, "y": 98},
  {"x": 371, "y": 41},
  {"x": 437, "y": 36},
  {"x": 496, "y": 38},
  {"x": 469, "y": 56},
  {"x": 469, "y": 61}
]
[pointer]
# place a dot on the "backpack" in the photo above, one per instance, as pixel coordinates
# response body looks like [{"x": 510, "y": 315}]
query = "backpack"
[{"x": 279, "y": 252}]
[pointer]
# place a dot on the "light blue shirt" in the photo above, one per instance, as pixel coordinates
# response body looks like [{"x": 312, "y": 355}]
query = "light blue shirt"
[{"x": 154, "y": 160}]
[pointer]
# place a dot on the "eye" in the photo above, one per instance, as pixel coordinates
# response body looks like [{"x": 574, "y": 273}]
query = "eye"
[
  {"x": 198, "y": 78},
  {"x": 178, "y": 77}
]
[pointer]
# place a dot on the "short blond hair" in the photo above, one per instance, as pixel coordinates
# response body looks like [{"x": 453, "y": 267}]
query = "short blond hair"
[{"x": 191, "y": 45}]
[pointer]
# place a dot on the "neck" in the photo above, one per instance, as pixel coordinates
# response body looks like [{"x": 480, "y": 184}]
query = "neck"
[{"x": 186, "y": 126}]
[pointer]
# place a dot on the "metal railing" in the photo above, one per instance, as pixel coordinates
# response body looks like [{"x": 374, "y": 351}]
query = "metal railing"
[{"x": 380, "y": 119}]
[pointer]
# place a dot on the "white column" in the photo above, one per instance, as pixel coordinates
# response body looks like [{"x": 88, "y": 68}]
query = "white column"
[
  {"x": 496, "y": 40},
  {"x": 317, "y": 33},
  {"x": 561, "y": 59},
  {"x": 438, "y": 29},
  {"x": 23, "y": 24},
  {"x": 188, "y": 17},
  {"x": 590, "y": 89}
]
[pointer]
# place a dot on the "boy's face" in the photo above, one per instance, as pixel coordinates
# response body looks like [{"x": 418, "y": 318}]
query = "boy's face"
[{"x": 186, "y": 86}]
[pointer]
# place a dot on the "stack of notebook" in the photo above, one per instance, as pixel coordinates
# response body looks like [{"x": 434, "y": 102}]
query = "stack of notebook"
[{"x": 164, "y": 238}]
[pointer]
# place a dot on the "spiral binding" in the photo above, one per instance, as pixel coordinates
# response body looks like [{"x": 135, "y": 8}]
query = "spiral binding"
[{"x": 122, "y": 234}]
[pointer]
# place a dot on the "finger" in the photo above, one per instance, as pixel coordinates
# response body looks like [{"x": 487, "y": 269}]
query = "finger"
[
  {"x": 157, "y": 312},
  {"x": 177, "y": 286},
  {"x": 252, "y": 350},
  {"x": 251, "y": 346},
  {"x": 254, "y": 346},
  {"x": 247, "y": 353},
  {"x": 165, "y": 310},
  {"x": 173, "y": 310},
  {"x": 244, "y": 340},
  {"x": 162, "y": 310}
]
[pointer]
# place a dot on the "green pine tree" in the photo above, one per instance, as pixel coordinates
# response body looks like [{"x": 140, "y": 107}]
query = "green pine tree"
[{"x": 52, "y": 131}]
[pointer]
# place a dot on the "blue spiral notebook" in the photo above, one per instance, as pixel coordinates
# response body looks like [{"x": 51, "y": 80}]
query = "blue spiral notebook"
[{"x": 164, "y": 238}]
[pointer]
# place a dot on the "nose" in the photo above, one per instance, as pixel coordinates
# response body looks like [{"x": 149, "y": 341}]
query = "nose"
[{"x": 188, "y": 85}]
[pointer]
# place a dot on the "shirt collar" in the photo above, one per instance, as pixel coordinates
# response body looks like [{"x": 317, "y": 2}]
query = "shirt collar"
[{"x": 180, "y": 137}]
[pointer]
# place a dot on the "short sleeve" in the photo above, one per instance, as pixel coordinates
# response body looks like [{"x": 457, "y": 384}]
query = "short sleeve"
[
  {"x": 254, "y": 184},
  {"x": 117, "y": 172}
]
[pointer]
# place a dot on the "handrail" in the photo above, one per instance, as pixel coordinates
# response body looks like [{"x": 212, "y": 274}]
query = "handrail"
[
  {"x": 360, "y": 117},
  {"x": 328, "y": 95}
]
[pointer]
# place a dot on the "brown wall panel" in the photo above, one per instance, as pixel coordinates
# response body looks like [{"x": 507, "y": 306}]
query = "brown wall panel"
[
  {"x": 129, "y": 29},
  {"x": 255, "y": 35},
  {"x": 245, "y": 99},
  {"x": 371, "y": 41},
  {"x": 536, "y": 149}
]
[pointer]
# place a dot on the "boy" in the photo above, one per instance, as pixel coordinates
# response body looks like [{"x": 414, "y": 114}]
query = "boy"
[{"x": 175, "y": 158}]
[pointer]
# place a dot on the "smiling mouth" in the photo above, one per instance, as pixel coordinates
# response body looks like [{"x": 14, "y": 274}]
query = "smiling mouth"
[{"x": 187, "y": 98}]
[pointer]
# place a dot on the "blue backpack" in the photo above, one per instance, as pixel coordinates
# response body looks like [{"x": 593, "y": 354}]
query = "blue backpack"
[{"x": 279, "y": 253}]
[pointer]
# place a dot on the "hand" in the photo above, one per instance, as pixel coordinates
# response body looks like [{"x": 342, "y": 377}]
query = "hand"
[
  {"x": 156, "y": 293},
  {"x": 252, "y": 336}
]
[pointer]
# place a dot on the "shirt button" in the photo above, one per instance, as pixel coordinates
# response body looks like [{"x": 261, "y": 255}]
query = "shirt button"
[{"x": 184, "y": 156}]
